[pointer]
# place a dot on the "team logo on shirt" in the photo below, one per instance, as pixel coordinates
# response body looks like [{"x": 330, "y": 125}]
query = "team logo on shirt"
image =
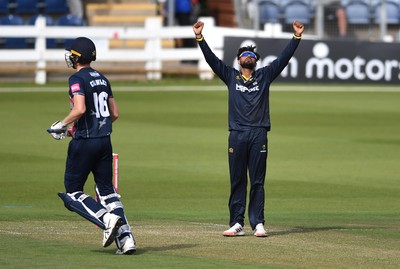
[
  {"x": 242, "y": 88},
  {"x": 75, "y": 87},
  {"x": 94, "y": 74}
]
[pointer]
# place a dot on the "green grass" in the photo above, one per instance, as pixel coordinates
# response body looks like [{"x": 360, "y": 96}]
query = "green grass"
[{"x": 332, "y": 185}]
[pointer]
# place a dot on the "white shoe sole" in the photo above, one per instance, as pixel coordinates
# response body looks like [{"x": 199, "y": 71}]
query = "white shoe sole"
[
  {"x": 113, "y": 233},
  {"x": 260, "y": 234},
  {"x": 229, "y": 233}
]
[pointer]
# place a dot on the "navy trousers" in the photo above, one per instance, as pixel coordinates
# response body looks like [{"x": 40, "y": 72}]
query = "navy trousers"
[
  {"x": 248, "y": 151},
  {"x": 85, "y": 156}
]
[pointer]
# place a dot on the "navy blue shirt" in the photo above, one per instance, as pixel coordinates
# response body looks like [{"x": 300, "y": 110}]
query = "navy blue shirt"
[
  {"x": 249, "y": 99},
  {"x": 96, "y": 122}
]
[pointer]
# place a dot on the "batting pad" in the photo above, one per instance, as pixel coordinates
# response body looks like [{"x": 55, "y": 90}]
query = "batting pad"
[{"x": 74, "y": 202}]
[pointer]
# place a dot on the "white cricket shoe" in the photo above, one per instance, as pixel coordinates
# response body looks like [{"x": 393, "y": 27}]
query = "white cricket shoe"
[
  {"x": 259, "y": 231},
  {"x": 126, "y": 245},
  {"x": 112, "y": 223},
  {"x": 235, "y": 230}
]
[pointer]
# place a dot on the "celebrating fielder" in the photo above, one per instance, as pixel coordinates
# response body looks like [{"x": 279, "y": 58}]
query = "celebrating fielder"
[
  {"x": 249, "y": 122},
  {"x": 93, "y": 109}
]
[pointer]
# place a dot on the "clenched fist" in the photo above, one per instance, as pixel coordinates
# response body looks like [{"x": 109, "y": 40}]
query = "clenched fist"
[
  {"x": 298, "y": 28},
  {"x": 198, "y": 28}
]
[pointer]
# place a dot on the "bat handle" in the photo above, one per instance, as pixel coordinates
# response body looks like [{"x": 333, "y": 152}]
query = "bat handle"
[{"x": 54, "y": 131}]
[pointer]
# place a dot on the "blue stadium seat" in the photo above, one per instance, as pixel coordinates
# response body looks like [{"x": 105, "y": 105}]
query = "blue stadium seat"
[
  {"x": 49, "y": 20},
  {"x": 13, "y": 42},
  {"x": 269, "y": 10},
  {"x": 357, "y": 11},
  {"x": 12, "y": 20},
  {"x": 302, "y": 11},
  {"x": 56, "y": 7},
  {"x": 50, "y": 42},
  {"x": 26, "y": 7},
  {"x": 69, "y": 20},
  {"x": 392, "y": 12},
  {"x": 4, "y": 7}
]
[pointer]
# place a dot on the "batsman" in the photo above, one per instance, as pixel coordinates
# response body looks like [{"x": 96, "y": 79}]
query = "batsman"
[
  {"x": 249, "y": 123},
  {"x": 93, "y": 110}
]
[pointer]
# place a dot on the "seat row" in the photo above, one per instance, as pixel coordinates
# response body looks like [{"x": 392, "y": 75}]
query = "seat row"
[
  {"x": 285, "y": 11},
  {"x": 19, "y": 43},
  {"x": 369, "y": 11},
  {"x": 29, "y": 7},
  {"x": 357, "y": 11}
]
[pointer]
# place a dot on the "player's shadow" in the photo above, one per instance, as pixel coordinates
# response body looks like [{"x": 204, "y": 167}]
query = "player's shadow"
[
  {"x": 301, "y": 230},
  {"x": 142, "y": 250},
  {"x": 165, "y": 248}
]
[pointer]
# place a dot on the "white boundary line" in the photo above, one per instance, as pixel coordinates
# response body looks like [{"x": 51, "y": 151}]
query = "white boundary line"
[{"x": 274, "y": 88}]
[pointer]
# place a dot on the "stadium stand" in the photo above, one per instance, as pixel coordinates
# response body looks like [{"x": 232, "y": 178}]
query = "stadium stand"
[
  {"x": 69, "y": 20},
  {"x": 119, "y": 14},
  {"x": 269, "y": 11},
  {"x": 301, "y": 10},
  {"x": 123, "y": 14},
  {"x": 223, "y": 11},
  {"x": 12, "y": 42},
  {"x": 49, "y": 20},
  {"x": 358, "y": 11},
  {"x": 50, "y": 42},
  {"x": 133, "y": 13},
  {"x": 56, "y": 7},
  {"x": 4, "y": 7},
  {"x": 24, "y": 7},
  {"x": 392, "y": 11}
]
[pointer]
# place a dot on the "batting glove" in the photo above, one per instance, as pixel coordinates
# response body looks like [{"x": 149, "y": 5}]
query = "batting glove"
[{"x": 58, "y": 130}]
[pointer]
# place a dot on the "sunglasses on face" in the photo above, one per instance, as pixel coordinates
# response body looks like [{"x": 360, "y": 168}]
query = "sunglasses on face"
[{"x": 248, "y": 53}]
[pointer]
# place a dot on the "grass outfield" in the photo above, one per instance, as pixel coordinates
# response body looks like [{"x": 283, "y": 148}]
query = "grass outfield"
[{"x": 332, "y": 186}]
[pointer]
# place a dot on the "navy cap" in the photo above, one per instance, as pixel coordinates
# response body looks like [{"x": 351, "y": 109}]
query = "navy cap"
[{"x": 84, "y": 48}]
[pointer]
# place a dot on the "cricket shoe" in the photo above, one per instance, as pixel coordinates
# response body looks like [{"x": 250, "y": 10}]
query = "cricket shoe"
[
  {"x": 235, "y": 230},
  {"x": 259, "y": 231},
  {"x": 112, "y": 223},
  {"x": 126, "y": 245}
]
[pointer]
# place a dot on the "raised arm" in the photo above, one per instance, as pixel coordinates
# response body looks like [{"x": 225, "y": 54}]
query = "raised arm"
[
  {"x": 275, "y": 68},
  {"x": 218, "y": 66}
]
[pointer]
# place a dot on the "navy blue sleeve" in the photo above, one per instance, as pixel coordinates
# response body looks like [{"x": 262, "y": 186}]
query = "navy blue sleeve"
[
  {"x": 275, "y": 68},
  {"x": 219, "y": 67}
]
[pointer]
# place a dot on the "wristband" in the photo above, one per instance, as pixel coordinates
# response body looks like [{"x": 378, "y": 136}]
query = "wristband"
[
  {"x": 297, "y": 37},
  {"x": 200, "y": 38}
]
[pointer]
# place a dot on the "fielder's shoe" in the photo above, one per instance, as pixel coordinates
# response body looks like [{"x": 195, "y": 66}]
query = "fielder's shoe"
[
  {"x": 235, "y": 230},
  {"x": 126, "y": 245},
  {"x": 259, "y": 231},
  {"x": 112, "y": 223}
]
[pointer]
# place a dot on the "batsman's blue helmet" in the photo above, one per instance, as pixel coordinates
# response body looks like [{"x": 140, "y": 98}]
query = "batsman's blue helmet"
[{"x": 84, "y": 48}]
